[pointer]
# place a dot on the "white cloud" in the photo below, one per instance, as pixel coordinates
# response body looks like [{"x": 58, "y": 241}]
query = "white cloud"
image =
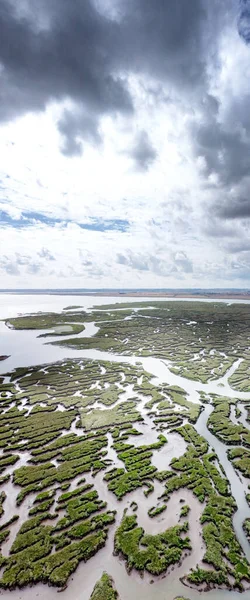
[{"x": 173, "y": 239}]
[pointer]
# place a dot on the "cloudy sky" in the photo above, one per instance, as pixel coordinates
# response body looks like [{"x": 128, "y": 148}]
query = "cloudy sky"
[{"x": 125, "y": 143}]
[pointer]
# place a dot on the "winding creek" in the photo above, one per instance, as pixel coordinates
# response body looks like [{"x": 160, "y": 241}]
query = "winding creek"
[{"x": 25, "y": 349}]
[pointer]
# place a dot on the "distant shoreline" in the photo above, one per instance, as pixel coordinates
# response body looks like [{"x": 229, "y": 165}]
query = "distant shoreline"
[
  {"x": 221, "y": 296},
  {"x": 232, "y": 296},
  {"x": 206, "y": 294}
]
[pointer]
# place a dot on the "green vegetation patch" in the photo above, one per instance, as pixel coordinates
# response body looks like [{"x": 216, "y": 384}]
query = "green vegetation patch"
[
  {"x": 46, "y": 320},
  {"x": 147, "y": 552},
  {"x": 124, "y": 413},
  {"x": 42, "y": 553},
  {"x": 241, "y": 459},
  {"x": 202, "y": 340},
  {"x": 82, "y": 457},
  {"x": 223, "y": 550},
  {"x": 156, "y": 510},
  {"x": 64, "y": 330},
  {"x": 104, "y": 589},
  {"x": 239, "y": 380},
  {"x": 221, "y": 425},
  {"x": 184, "y": 510},
  {"x": 197, "y": 471},
  {"x": 246, "y": 527},
  {"x": 138, "y": 469}
]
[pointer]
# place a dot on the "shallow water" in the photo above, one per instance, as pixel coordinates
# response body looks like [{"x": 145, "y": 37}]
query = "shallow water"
[
  {"x": 175, "y": 448},
  {"x": 26, "y": 349}
]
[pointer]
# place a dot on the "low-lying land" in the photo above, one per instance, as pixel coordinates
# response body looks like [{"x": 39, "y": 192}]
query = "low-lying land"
[
  {"x": 202, "y": 340},
  {"x": 74, "y": 457}
]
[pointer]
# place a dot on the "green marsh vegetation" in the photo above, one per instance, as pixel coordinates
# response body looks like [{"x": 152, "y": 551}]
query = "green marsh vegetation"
[
  {"x": 184, "y": 510},
  {"x": 72, "y": 307},
  {"x": 221, "y": 425},
  {"x": 165, "y": 402},
  {"x": 45, "y": 553},
  {"x": 156, "y": 510},
  {"x": 247, "y": 528},
  {"x": 64, "y": 330},
  {"x": 68, "y": 522},
  {"x": 2, "y": 499},
  {"x": 153, "y": 553},
  {"x": 124, "y": 413},
  {"x": 239, "y": 380},
  {"x": 241, "y": 461},
  {"x": 51, "y": 552},
  {"x": 51, "y": 320},
  {"x": 60, "y": 533},
  {"x": 76, "y": 384},
  {"x": 104, "y": 589},
  {"x": 36, "y": 563},
  {"x": 46, "y": 320},
  {"x": 81, "y": 457},
  {"x": 138, "y": 470},
  {"x": 196, "y": 471},
  {"x": 202, "y": 340}
]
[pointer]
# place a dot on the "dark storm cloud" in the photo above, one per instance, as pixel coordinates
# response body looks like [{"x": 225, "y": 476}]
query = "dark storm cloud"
[
  {"x": 235, "y": 209},
  {"x": 74, "y": 126},
  {"x": 244, "y": 20},
  {"x": 143, "y": 153},
  {"x": 225, "y": 147},
  {"x": 67, "y": 50},
  {"x": 223, "y": 144},
  {"x": 221, "y": 136},
  {"x": 166, "y": 39},
  {"x": 226, "y": 150},
  {"x": 71, "y": 59}
]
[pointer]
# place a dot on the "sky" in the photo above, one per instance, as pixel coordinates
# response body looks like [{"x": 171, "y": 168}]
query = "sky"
[{"x": 124, "y": 143}]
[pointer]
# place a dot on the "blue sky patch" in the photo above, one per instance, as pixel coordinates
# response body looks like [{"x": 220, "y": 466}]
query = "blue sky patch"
[
  {"x": 29, "y": 218},
  {"x": 106, "y": 225}
]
